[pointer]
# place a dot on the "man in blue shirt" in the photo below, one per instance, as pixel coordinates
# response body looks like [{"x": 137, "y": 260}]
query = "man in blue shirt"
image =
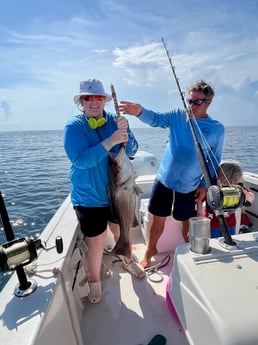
[{"x": 179, "y": 183}]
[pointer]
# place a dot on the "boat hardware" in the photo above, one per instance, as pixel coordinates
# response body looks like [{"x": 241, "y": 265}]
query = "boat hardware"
[{"x": 19, "y": 252}]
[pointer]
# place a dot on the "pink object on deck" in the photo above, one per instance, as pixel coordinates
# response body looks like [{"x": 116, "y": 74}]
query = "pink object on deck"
[{"x": 169, "y": 301}]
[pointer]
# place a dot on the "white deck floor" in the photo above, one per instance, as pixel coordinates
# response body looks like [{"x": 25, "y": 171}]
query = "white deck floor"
[{"x": 132, "y": 311}]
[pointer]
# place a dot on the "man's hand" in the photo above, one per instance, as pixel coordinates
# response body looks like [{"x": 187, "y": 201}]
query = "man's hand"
[
  {"x": 130, "y": 108},
  {"x": 200, "y": 194}
]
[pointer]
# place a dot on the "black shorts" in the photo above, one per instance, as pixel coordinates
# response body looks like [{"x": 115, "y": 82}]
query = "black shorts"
[
  {"x": 93, "y": 220},
  {"x": 166, "y": 202}
]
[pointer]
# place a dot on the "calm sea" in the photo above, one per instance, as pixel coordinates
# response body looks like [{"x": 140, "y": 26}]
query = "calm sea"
[{"x": 34, "y": 171}]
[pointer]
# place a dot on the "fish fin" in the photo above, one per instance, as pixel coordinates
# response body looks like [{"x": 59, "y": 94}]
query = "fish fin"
[
  {"x": 135, "y": 222},
  {"x": 137, "y": 219},
  {"x": 138, "y": 190}
]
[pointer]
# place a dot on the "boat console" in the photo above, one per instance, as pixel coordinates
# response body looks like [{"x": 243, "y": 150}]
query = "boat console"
[{"x": 215, "y": 294}]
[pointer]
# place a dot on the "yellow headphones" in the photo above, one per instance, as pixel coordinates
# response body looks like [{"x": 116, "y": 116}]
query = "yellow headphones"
[{"x": 95, "y": 123}]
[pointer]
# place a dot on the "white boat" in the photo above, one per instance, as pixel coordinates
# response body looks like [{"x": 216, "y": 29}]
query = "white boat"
[{"x": 207, "y": 299}]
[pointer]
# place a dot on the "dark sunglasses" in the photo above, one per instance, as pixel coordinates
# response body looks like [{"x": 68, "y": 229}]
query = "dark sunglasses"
[
  {"x": 197, "y": 101},
  {"x": 88, "y": 98}
]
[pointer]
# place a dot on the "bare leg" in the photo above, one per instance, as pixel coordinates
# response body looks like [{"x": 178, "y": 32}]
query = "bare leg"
[
  {"x": 185, "y": 230},
  {"x": 94, "y": 255},
  {"x": 156, "y": 230}
]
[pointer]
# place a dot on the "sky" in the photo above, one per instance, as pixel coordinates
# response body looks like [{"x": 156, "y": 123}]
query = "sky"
[{"x": 48, "y": 47}]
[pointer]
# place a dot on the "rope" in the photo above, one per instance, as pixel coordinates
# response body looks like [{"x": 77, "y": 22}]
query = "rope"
[{"x": 152, "y": 270}]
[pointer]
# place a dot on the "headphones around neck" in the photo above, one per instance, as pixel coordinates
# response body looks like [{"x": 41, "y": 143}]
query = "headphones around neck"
[{"x": 95, "y": 123}]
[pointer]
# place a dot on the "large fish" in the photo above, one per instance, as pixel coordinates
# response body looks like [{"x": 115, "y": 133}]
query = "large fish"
[{"x": 123, "y": 192}]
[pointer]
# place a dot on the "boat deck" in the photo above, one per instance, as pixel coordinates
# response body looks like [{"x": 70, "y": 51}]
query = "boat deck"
[{"x": 133, "y": 310}]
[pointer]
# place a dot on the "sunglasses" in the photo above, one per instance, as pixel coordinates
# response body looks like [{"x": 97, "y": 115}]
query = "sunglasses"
[
  {"x": 88, "y": 98},
  {"x": 197, "y": 101}
]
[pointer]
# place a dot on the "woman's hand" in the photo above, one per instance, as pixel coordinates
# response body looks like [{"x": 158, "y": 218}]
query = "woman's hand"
[
  {"x": 120, "y": 136},
  {"x": 122, "y": 122},
  {"x": 130, "y": 108}
]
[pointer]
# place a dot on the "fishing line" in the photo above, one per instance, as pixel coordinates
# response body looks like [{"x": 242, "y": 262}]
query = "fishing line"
[
  {"x": 218, "y": 198},
  {"x": 211, "y": 157},
  {"x": 190, "y": 117}
]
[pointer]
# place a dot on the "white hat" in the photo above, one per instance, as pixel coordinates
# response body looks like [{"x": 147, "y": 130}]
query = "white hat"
[{"x": 91, "y": 87}]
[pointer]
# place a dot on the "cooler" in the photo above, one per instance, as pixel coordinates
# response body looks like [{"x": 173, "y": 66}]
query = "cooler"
[{"x": 172, "y": 234}]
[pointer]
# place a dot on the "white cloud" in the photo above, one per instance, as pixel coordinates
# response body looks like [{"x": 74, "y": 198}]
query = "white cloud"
[
  {"x": 45, "y": 54},
  {"x": 145, "y": 54}
]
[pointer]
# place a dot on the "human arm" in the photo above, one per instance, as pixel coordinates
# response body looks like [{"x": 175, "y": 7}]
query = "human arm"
[
  {"x": 200, "y": 194},
  {"x": 86, "y": 147},
  {"x": 82, "y": 147},
  {"x": 119, "y": 136},
  {"x": 130, "y": 108},
  {"x": 150, "y": 117},
  {"x": 123, "y": 135}
]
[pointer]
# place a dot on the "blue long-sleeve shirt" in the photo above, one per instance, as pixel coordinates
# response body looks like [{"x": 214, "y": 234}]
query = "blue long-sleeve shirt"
[
  {"x": 89, "y": 169},
  {"x": 180, "y": 168}
]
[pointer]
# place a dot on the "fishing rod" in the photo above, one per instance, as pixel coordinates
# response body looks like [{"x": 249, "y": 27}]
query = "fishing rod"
[
  {"x": 9, "y": 234},
  {"x": 218, "y": 198},
  {"x": 19, "y": 252},
  {"x": 189, "y": 114}
]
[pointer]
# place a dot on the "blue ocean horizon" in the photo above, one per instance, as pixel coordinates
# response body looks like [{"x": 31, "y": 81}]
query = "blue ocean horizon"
[{"x": 34, "y": 171}]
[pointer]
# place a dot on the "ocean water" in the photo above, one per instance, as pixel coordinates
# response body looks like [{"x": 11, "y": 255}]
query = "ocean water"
[{"x": 34, "y": 171}]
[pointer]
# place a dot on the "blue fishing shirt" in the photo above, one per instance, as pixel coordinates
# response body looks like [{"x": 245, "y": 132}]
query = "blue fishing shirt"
[
  {"x": 89, "y": 170},
  {"x": 180, "y": 168}
]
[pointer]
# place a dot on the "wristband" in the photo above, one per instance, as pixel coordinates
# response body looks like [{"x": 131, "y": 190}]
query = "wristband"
[{"x": 108, "y": 143}]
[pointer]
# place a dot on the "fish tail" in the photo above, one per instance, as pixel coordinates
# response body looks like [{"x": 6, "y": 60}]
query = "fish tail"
[{"x": 122, "y": 249}]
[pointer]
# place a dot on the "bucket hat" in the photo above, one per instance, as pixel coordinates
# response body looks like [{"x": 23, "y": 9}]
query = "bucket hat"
[{"x": 91, "y": 87}]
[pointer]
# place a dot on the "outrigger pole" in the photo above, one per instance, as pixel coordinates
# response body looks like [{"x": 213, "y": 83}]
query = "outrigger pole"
[{"x": 217, "y": 197}]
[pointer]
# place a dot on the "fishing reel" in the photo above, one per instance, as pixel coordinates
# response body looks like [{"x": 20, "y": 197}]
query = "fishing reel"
[
  {"x": 16, "y": 254},
  {"x": 220, "y": 199},
  {"x": 22, "y": 251},
  {"x": 225, "y": 198}
]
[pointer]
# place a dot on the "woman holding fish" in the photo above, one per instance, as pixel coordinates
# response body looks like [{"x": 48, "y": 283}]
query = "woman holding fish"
[{"x": 89, "y": 140}]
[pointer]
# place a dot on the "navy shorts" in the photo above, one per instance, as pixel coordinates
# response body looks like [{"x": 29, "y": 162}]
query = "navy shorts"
[
  {"x": 166, "y": 202},
  {"x": 93, "y": 220}
]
